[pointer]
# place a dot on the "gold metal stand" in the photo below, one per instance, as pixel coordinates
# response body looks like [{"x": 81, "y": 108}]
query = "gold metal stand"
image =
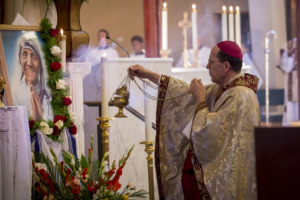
[
  {"x": 149, "y": 149},
  {"x": 104, "y": 125},
  {"x": 196, "y": 59},
  {"x": 165, "y": 52}
]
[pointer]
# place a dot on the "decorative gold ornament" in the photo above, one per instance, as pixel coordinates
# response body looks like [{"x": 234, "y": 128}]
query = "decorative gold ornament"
[
  {"x": 120, "y": 100},
  {"x": 104, "y": 125},
  {"x": 2, "y": 85},
  {"x": 149, "y": 149}
]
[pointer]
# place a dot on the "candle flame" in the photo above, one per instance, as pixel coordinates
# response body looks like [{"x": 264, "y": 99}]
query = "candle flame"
[
  {"x": 194, "y": 7},
  {"x": 237, "y": 9},
  {"x": 224, "y": 9},
  {"x": 165, "y": 5},
  {"x": 61, "y": 31},
  {"x": 231, "y": 9}
]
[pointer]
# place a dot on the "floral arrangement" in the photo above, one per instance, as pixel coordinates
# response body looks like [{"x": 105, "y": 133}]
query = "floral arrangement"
[
  {"x": 58, "y": 86},
  {"x": 81, "y": 179}
]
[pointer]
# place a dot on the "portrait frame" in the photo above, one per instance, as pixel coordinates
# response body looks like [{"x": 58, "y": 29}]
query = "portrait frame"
[{"x": 11, "y": 41}]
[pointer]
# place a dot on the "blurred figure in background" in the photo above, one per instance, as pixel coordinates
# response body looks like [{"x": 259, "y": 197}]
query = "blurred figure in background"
[
  {"x": 247, "y": 59},
  {"x": 203, "y": 55},
  {"x": 137, "y": 43},
  {"x": 288, "y": 65}
]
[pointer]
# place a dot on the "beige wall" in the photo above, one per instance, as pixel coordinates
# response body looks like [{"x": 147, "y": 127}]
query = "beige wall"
[{"x": 122, "y": 18}]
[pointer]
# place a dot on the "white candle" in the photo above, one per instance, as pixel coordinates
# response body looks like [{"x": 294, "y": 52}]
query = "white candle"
[
  {"x": 147, "y": 110},
  {"x": 231, "y": 24},
  {"x": 164, "y": 25},
  {"x": 224, "y": 24},
  {"x": 104, "y": 88},
  {"x": 62, "y": 43},
  {"x": 237, "y": 26},
  {"x": 194, "y": 26}
]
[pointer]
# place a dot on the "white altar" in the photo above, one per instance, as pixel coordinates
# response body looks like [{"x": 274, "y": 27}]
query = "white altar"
[{"x": 15, "y": 154}]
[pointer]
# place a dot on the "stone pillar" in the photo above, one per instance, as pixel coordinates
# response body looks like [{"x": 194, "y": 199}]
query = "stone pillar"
[{"x": 77, "y": 71}]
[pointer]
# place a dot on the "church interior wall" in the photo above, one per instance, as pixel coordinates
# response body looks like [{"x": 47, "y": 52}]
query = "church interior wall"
[
  {"x": 268, "y": 15},
  {"x": 206, "y": 20},
  {"x": 123, "y": 19}
]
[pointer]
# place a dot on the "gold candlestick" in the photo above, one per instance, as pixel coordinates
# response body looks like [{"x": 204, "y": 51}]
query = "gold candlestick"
[
  {"x": 165, "y": 52},
  {"x": 2, "y": 85},
  {"x": 149, "y": 149},
  {"x": 104, "y": 125}
]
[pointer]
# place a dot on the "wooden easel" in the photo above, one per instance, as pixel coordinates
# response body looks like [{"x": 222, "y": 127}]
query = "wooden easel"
[{"x": 3, "y": 70}]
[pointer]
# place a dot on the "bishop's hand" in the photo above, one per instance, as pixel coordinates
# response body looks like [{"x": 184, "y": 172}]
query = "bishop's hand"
[
  {"x": 198, "y": 90},
  {"x": 141, "y": 72}
]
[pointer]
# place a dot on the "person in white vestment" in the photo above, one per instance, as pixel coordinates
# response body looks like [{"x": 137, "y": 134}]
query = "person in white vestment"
[
  {"x": 203, "y": 55},
  {"x": 29, "y": 86},
  {"x": 253, "y": 69},
  {"x": 137, "y": 43},
  {"x": 289, "y": 67},
  {"x": 205, "y": 134}
]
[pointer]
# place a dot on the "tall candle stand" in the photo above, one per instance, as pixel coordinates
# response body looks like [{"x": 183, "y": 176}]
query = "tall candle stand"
[
  {"x": 104, "y": 125},
  {"x": 149, "y": 149}
]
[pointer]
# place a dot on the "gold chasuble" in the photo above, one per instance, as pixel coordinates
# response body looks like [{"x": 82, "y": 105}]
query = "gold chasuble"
[{"x": 216, "y": 137}]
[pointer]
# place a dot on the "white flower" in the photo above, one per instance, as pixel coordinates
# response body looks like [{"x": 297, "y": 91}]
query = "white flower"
[
  {"x": 55, "y": 50},
  {"x": 41, "y": 166},
  {"x": 59, "y": 124},
  {"x": 76, "y": 181},
  {"x": 72, "y": 116},
  {"x": 73, "y": 161},
  {"x": 44, "y": 127},
  {"x": 61, "y": 84}
]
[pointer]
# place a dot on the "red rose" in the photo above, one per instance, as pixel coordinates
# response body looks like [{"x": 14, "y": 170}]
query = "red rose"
[
  {"x": 53, "y": 32},
  {"x": 66, "y": 101},
  {"x": 59, "y": 117},
  {"x": 55, "y": 66},
  {"x": 73, "y": 129},
  {"x": 56, "y": 131},
  {"x": 31, "y": 123}
]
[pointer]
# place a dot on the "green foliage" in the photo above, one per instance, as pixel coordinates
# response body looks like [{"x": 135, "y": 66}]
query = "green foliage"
[
  {"x": 71, "y": 179},
  {"x": 57, "y": 95}
]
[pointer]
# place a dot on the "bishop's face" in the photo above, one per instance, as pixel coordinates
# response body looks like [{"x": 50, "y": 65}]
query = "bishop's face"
[
  {"x": 216, "y": 69},
  {"x": 30, "y": 65}
]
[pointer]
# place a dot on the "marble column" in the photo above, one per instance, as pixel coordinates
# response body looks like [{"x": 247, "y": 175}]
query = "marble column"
[{"x": 77, "y": 71}]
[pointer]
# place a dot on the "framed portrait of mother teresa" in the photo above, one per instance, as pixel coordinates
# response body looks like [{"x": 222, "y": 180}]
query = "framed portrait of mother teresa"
[{"x": 24, "y": 70}]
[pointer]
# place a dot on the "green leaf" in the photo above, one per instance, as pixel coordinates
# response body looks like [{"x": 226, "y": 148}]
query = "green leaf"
[{"x": 83, "y": 162}]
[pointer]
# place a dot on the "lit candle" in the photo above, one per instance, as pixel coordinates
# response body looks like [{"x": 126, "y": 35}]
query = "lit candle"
[
  {"x": 237, "y": 26},
  {"x": 62, "y": 43},
  {"x": 194, "y": 26},
  {"x": 164, "y": 29},
  {"x": 224, "y": 24},
  {"x": 147, "y": 110},
  {"x": 104, "y": 88},
  {"x": 231, "y": 24}
]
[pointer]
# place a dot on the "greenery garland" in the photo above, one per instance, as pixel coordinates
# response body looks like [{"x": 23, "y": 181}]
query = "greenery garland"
[{"x": 59, "y": 90}]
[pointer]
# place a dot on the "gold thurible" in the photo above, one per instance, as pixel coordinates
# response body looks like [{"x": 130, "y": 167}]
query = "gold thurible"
[
  {"x": 121, "y": 100},
  {"x": 149, "y": 149}
]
